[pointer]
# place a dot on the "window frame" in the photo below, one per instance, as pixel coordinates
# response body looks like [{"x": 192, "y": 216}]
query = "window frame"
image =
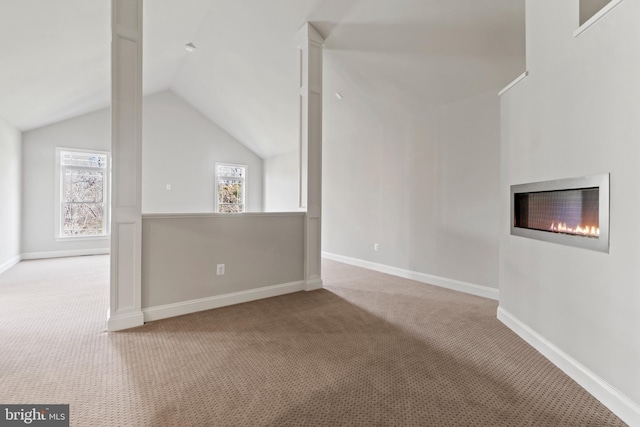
[
  {"x": 59, "y": 191},
  {"x": 217, "y": 186}
]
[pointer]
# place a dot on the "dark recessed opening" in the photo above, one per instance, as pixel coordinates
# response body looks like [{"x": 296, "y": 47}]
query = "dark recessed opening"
[
  {"x": 572, "y": 211},
  {"x": 588, "y": 8},
  {"x": 568, "y": 211}
]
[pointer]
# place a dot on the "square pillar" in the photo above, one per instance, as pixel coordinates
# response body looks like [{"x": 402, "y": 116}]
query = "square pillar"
[
  {"x": 310, "y": 44},
  {"x": 125, "y": 305}
]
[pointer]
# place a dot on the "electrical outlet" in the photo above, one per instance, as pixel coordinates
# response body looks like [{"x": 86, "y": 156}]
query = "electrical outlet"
[
  {"x": 220, "y": 270},
  {"x": 376, "y": 247}
]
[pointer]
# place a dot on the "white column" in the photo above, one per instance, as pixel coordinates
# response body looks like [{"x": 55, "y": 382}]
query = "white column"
[
  {"x": 310, "y": 45},
  {"x": 125, "y": 308}
]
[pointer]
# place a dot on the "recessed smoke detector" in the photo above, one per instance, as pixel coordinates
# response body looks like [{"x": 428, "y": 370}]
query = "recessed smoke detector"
[{"x": 190, "y": 47}]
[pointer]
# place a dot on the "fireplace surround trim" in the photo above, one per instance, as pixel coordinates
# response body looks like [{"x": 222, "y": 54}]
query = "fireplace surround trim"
[{"x": 601, "y": 181}]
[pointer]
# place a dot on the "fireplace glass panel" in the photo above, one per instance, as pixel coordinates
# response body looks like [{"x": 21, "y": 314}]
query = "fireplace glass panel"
[
  {"x": 568, "y": 211},
  {"x": 574, "y": 211}
]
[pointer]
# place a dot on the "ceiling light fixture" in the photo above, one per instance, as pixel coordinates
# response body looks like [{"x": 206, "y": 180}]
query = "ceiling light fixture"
[
  {"x": 339, "y": 95},
  {"x": 190, "y": 47}
]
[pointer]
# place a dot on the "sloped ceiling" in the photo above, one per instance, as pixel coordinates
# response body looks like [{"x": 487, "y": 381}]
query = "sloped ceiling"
[
  {"x": 54, "y": 58},
  {"x": 55, "y": 55},
  {"x": 388, "y": 58}
]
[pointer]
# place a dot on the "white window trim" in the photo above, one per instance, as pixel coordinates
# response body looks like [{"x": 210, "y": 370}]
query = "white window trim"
[
  {"x": 58, "y": 198},
  {"x": 217, "y": 186}
]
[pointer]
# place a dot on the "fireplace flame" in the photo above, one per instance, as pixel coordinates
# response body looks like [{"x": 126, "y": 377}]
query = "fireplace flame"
[{"x": 579, "y": 229}]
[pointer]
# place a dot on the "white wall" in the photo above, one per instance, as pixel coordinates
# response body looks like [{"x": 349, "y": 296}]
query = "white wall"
[
  {"x": 468, "y": 163},
  {"x": 89, "y": 131},
  {"x": 577, "y": 114},
  {"x": 425, "y": 188},
  {"x": 180, "y": 147},
  {"x": 10, "y": 190},
  {"x": 281, "y": 183}
]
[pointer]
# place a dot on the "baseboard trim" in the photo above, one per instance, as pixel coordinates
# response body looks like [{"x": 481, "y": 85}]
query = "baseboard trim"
[
  {"x": 63, "y": 254},
  {"x": 193, "y": 306},
  {"x": 443, "y": 282},
  {"x": 313, "y": 285},
  {"x": 10, "y": 263},
  {"x": 52, "y": 254},
  {"x": 125, "y": 321},
  {"x": 618, "y": 403}
]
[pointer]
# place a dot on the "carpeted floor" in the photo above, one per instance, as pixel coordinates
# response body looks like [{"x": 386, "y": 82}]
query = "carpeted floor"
[{"x": 368, "y": 350}]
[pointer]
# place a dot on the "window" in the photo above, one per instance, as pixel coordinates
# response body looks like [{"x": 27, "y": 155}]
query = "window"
[
  {"x": 82, "y": 207},
  {"x": 230, "y": 188}
]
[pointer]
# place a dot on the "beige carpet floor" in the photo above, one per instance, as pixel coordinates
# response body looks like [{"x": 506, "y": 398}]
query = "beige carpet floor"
[{"x": 368, "y": 350}]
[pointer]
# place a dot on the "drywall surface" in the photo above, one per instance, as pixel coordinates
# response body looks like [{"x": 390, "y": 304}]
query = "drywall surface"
[
  {"x": 468, "y": 163},
  {"x": 89, "y": 131},
  {"x": 576, "y": 114},
  {"x": 10, "y": 186},
  {"x": 180, "y": 148},
  {"x": 424, "y": 188},
  {"x": 180, "y": 254},
  {"x": 281, "y": 183}
]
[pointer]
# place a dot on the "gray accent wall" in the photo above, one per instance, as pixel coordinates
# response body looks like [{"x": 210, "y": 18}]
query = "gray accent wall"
[
  {"x": 180, "y": 254},
  {"x": 425, "y": 188},
  {"x": 10, "y": 193},
  {"x": 576, "y": 114}
]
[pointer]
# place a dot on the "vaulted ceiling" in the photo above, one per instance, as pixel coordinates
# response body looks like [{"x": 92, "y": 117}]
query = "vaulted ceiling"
[{"x": 388, "y": 58}]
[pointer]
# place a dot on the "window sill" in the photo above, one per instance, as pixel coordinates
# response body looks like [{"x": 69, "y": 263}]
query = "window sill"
[{"x": 81, "y": 238}]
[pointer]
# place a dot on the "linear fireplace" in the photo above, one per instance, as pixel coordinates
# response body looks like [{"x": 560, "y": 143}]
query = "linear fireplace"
[{"x": 573, "y": 212}]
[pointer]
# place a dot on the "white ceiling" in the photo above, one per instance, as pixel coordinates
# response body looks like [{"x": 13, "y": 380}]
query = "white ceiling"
[{"x": 389, "y": 58}]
